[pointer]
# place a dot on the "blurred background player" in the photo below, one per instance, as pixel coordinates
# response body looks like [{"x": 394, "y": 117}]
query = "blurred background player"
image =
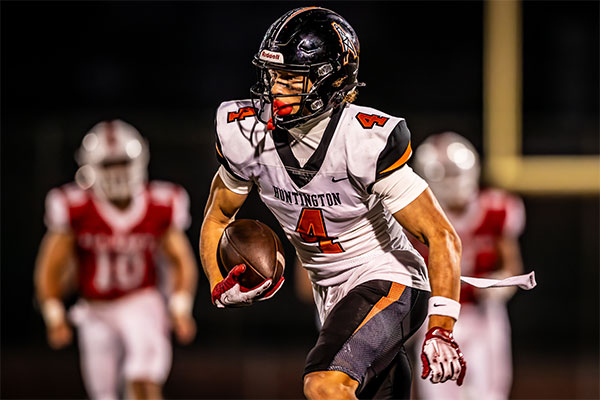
[
  {"x": 488, "y": 222},
  {"x": 118, "y": 228}
]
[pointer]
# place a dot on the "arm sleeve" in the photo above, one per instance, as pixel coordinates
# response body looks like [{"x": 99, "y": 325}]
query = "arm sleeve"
[
  {"x": 57, "y": 217},
  {"x": 181, "y": 218},
  {"x": 233, "y": 183},
  {"x": 399, "y": 188}
]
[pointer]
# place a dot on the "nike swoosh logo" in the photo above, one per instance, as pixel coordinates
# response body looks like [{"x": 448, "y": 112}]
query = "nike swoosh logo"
[
  {"x": 438, "y": 305},
  {"x": 337, "y": 180}
]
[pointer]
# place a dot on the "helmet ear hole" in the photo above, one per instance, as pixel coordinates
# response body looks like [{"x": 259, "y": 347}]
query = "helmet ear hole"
[
  {"x": 317, "y": 104},
  {"x": 324, "y": 70}
]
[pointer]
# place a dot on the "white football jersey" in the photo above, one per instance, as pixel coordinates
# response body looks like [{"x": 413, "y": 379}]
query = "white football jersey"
[{"x": 326, "y": 207}]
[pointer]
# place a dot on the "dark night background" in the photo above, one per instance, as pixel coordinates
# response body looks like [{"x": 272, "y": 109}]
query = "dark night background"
[{"x": 165, "y": 66}]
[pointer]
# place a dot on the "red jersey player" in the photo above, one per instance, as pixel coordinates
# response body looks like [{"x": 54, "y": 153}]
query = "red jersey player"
[
  {"x": 488, "y": 222},
  {"x": 118, "y": 227}
]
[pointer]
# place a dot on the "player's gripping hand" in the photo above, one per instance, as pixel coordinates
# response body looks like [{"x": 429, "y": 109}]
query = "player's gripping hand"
[
  {"x": 229, "y": 292},
  {"x": 274, "y": 289},
  {"x": 442, "y": 357}
]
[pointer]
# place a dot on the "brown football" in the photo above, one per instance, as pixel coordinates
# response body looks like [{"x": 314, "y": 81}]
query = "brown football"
[{"x": 250, "y": 242}]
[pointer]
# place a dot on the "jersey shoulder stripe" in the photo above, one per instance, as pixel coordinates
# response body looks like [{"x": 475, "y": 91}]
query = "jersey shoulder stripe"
[
  {"x": 176, "y": 198},
  {"x": 396, "y": 152}
]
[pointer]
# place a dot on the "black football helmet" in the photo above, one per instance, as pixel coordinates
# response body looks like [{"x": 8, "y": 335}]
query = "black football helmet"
[{"x": 314, "y": 42}]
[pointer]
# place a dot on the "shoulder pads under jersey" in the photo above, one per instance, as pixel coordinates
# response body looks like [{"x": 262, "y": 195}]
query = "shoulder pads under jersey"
[
  {"x": 238, "y": 133},
  {"x": 175, "y": 196},
  {"x": 59, "y": 202},
  {"x": 381, "y": 141},
  {"x": 497, "y": 200}
]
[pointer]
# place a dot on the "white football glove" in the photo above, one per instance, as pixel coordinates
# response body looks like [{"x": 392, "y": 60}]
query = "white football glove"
[
  {"x": 442, "y": 357},
  {"x": 229, "y": 293}
]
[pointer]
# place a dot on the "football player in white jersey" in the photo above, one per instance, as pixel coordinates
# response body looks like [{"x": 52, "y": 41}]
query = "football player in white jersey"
[
  {"x": 488, "y": 222},
  {"x": 119, "y": 228},
  {"x": 334, "y": 175}
]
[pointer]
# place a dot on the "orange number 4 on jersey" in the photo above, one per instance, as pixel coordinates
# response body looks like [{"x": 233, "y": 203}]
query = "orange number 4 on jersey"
[
  {"x": 241, "y": 114},
  {"x": 311, "y": 227},
  {"x": 368, "y": 120}
]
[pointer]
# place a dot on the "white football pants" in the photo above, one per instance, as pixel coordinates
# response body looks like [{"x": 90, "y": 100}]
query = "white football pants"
[{"x": 126, "y": 339}]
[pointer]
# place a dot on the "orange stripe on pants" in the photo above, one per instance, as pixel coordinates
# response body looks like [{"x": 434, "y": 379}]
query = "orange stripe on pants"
[{"x": 393, "y": 295}]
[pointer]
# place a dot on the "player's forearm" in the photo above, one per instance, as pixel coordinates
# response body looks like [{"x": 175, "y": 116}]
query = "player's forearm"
[
  {"x": 46, "y": 283},
  {"x": 185, "y": 273},
  {"x": 210, "y": 234},
  {"x": 184, "y": 286},
  {"x": 444, "y": 272},
  {"x": 510, "y": 254},
  {"x": 185, "y": 270},
  {"x": 186, "y": 278},
  {"x": 50, "y": 264},
  {"x": 444, "y": 266},
  {"x": 49, "y": 267},
  {"x": 48, "y": 294},
  {"x": 221, "y": 207}
]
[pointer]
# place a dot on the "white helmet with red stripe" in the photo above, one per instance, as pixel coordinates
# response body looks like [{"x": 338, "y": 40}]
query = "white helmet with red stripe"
[
  {"x": 450, "y": 165},
  {"x": 113, "y": 160}
]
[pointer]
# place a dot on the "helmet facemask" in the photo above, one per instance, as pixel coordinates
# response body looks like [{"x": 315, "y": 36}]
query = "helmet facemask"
[
  {"x": 311, "y": 104},
  {"x": 120, "y": 180},
  {"x": 113, "y": 161}
]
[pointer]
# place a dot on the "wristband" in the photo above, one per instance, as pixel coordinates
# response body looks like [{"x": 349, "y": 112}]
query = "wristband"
[
  {"x": 439, "y": 305},
  {"x": 53, "y": 312},
  {"x": 180, "y": 303}
]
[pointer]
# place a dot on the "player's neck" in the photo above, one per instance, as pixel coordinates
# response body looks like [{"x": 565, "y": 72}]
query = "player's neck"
[
  {"x": 121, "y": 204},
  {"x": 315, "y": 124}
]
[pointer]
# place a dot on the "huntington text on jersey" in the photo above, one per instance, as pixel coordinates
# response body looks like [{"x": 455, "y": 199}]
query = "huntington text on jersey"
[{"x": 306, "y": 199}]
